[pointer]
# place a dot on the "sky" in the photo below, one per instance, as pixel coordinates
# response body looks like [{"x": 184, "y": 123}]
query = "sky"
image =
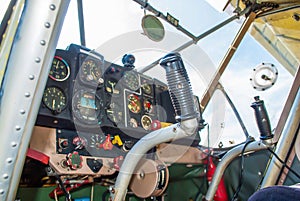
[{"x": 114, "y": 27}]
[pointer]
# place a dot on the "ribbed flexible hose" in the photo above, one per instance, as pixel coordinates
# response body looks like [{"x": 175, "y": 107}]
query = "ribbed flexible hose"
[{"x": 179, "y": 87}]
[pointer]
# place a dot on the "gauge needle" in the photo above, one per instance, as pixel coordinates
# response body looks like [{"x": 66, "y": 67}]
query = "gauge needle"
[
  {"x": 53, "y": 103},
  {"x": 93, "y": 74}
]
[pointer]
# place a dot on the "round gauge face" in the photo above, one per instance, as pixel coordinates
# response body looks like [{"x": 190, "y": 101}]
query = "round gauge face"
[
  {"x": 131, "y": 80},
  {"x": 96, "y": 140},
  {"x": 148, "y": 106},
  {"x": 146, "y": 122},
  {"x": 147, "y": 89},
  {"x": 86, "y": 107},
  {"x": 60, "y": 70},
  {"x": 91, "y": 72},
  {"x": 54, "y": 99},
  {"x": 134, "y": 103},
  {"x": 114, "y": 113},
  {"x": 133, "y": 123}
]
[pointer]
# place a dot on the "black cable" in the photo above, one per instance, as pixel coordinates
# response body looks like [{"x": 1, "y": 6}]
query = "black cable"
[
  {"x": 61, "y": 184},
  {"x": 104, "y": 195},
  {"x": 248, "y": 141},
  {"x": 284, "y": 164}
]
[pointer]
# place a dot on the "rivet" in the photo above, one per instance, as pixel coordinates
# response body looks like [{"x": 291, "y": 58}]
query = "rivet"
[
  {"x": 27, "y": 94},
  {"x": 47, "y": 24},
  {"x": 13, "y": 144},
  {"x": 5, "y": 176},
  {"x": 52, "y": 7},
  {"x": 22, "y": 111},
  {"x": 43, "y": 42},
  {"x": 1, "y": 191},
  {"x": 9, "y": 160},
  {"x": 38, "y": 60},
  {"x": 31, "y": 77},
  {"x": 18, "y": 127}
]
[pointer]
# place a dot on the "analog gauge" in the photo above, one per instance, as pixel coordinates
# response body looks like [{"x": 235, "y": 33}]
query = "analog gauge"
[
  {"x": 147, "y": 89},
  {"x": 114, "y": 113},
  {"x": 60, "y": 70},
  {"x": 86, "y": 106},
  {"x": 96, "y": 141},
  {"x": 54, "y": 99},
  {"x": 148, "y": 107},
  {"x": 91, "y": 72},
  {"x": 131, "y": 80},
  {"x": 133, "y": 123},
  {"x": 134, "y": 103},
  {"x": 146, "y": 122}
]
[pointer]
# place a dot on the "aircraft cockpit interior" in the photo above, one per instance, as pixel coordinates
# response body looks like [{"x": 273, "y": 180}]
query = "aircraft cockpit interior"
[{"x": 142, "y": 100}]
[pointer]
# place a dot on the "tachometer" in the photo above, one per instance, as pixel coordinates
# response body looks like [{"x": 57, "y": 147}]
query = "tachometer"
[
  {"x": 54, "y": 99},
  {"x": 134, "y": 103},
  {"x": 60, "y": 70},
  {"x": 86, "y": 106}
]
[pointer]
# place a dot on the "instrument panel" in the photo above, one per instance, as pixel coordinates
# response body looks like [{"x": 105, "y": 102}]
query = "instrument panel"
[
  {"x": 97, "y": 108},
  {"x": 94, "y": 111}
]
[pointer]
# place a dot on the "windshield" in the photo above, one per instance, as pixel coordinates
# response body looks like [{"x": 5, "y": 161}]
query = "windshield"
[{"x": 114, "y": 28}]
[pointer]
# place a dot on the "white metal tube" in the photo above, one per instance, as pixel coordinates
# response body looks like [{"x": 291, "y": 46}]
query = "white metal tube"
[
  {"x": 180, "y": 130},
  {"x": 226, "y": 160},
  {"x": 24, "y": 82},
  {"x": 284, "y": 144}
]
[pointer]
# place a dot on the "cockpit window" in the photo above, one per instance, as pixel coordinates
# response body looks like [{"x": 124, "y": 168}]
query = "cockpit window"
[{"x": 125, "y": 35}]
